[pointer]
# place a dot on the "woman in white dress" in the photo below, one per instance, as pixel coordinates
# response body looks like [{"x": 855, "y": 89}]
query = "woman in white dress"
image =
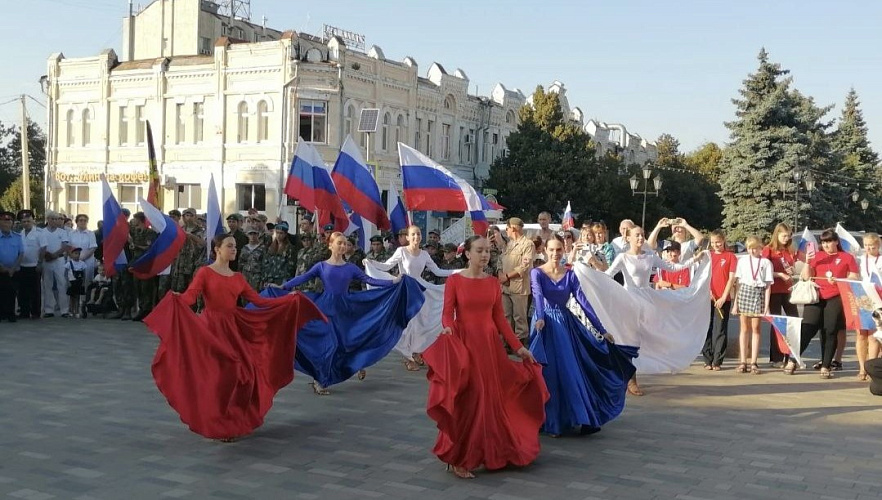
[
  {"x": 668, "y": 326},
  {"x": 426, "y": 326}
]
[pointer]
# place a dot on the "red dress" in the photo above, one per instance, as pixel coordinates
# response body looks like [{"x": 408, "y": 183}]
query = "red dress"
[
  {"x": 488, "y": 408},
  {"x": 220, "y": 370}
]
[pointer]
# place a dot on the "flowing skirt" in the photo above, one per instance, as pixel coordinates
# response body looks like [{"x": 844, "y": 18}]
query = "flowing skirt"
[
  {"x": 487, "y": 407},
  {"x": 586, "y": 377},
  {"x": 425, "y": 327},
  {"x": 362, "y": 329},
  {"x": 669, "y": 326},
  {"x": 221, "y": 370}
]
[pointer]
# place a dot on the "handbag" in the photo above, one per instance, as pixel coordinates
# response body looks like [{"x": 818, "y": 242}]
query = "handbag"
[{"x": 804, "y": 292}]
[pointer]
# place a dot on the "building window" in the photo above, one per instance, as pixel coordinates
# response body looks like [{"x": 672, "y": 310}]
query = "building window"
[
  {"x": 69, "y": 122},
  {"x": 242, "y": 123},
  {"x": 510, "y": 117},
  {"x": 313, "y": 120},
  {"x": 430, "y": 129},
  {"x": 87, "y": 128},
  {"x": 251, "y": 196},
  {"x": 399, "y": 128},
  {"x": 469, "y": 146},
  {"x": 449, "y": 102},
  {"x": 416, "y": 133},
  {"x": 347, "y": 121},
  {"x": 461, "y": 152},
  {"x": 188, "y": 196},
  {"x": 494, "y": 147},
  {"x": 128, "y": 196},
  {"x": 445, "y": 141},
  {"x": 205, "y": 45},
  {"x": 123, "y": 126},
  {"x": 198, "y": 123},
  {"x": 140, "y": 126},
  {"x": 77, "y": 199},
  {"x": 386, "y": 122},
  {"x": 180, "y": 124},
  {"x": 262, "y": 122}
]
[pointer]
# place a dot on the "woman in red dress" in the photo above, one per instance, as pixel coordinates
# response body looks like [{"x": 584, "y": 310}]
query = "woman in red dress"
[
  {"x": 220, "y": 370},
  {"x": 488, "y": 408}
]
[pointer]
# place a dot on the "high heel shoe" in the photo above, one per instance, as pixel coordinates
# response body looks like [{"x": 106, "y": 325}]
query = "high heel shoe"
[
  {"x": 319, "y": 390},
  {"x": 460, "y": 472}
]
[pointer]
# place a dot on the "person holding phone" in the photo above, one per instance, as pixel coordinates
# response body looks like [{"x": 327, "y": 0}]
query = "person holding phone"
[{"x": 681, "y": 231}]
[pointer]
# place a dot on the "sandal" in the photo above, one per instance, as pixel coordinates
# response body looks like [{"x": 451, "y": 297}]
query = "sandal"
[
  {"x": 836, "y": 366},
  {"x": 319, "y": 390},
  {"x": 742, "y": 368},
  {"x": 826, "y": 373},
  {"x": 362, "y": 374},
  {"x": 418, "y": 359},
  {"x": 816, "y": 366},
  {"x": 461, "y": 472},
  {"x": 411, "y": 366},
  {"x": 862, "y": 376},
  {"x": 790, "y": 368},
  {"x": 754, "y": 369}
]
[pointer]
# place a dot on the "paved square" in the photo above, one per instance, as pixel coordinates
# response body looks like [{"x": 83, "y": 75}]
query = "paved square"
[{"x": 80, "y": 418}]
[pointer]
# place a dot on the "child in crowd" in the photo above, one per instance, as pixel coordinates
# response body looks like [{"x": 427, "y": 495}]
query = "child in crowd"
[
  {"x": 672, "y": 280},
  {"x": 754, "y": 279},
  {"x": 723, "y": 263},
  {"x": 76, "y": 274},
  {"x": 99, "y": 287}
]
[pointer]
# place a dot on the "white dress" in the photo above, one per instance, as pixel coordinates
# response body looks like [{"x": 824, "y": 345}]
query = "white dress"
[
  {"x": 425, "y": 327},
  {"x": 669, "y": 326}
]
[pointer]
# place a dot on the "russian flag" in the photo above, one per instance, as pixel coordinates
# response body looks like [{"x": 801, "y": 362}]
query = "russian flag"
[
  {"x": 859, "y": 300},
  {"x": 311, "y": 184},
  {"x": 164, "y": 249},
  {"x": 429, "y": 186},
  {"x": 807, "y": 243},
  {"x": 788, "y": 334},
  {"x": 480, "y": 226},
  {"x": 846, "y": 240},
  {"x": 356, "y": 225},
  {"x": 397, "y": 214},
  {"x": 566, "y": 222},
  {"x": 115, "y": 231},
  {"x": 214, "y": 224},
  {"x": 357, "y": 187}
]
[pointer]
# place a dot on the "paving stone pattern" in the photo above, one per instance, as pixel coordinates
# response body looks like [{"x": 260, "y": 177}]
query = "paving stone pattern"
[{"x": 80, "y": 418}]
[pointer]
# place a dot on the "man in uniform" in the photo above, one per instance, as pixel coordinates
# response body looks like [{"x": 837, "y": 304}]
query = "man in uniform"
[
  {"x": 434, "y": 237},
  {"x": 354, "y": 255},
  {"x": 449, "y": 260},
  {"x": 28, "y": 278},
  {"x": 192, "y": 255},
  {"x": 234, "y": 222},
  {"x": 377, "y": 251},
  {"x": 311, "y": 254},
  {"x": 145, "y": 289},
  {"x": 123, "y": 282},
  {"x": 517, "y": 260},
  {"x": 402, "y": 237}
]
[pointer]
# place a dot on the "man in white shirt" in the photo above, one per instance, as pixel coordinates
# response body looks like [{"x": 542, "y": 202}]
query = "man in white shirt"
[
  {"x": 56, "y": 241},
  {"x": 28, "y": 276},
  {"x": 619, "y": 242},
  {"x": 82, "y": 237}
]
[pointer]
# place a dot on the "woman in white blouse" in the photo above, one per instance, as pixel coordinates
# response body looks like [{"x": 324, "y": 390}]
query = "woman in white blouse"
[
  {"x": 425, "y": 327},
  {"x": 871, "y": 265}
]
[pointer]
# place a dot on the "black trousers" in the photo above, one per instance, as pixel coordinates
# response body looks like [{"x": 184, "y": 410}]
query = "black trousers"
[
  {"x": 30, "y": 296},
  {"x": 7, "y": 297},
  {"x": 717, "y": 340},
  {"x": 874, "y": 370},
  {"x": 779, "y": 304},
  {"x": 827, "y": 317}
]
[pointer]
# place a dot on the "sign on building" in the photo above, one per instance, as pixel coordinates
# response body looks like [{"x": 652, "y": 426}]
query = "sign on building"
[{"x": 353, "y": 40}]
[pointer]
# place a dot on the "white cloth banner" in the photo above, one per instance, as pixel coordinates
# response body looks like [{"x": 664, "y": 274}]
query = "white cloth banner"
[
  {"x": 424, "y": 328},
  {"x": 669, "y": 326}
]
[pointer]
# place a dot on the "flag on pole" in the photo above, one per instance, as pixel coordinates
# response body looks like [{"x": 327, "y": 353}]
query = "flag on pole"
[
  {"x": 164, "y": 249},
  {"x": 154, "y": 189},
  {"x": 397, "y": 214},
  {"x": 859, "y": 300},
  {"x": 114, "y": 231},
  {"x": 788, "y": 334},
  {"x": 846, "y": 240},
  {"x": 566, "y": 222},
  {"x": 430, "y": 186},
  {"x": 357, "y": 186},
  {"x": 310, "y": 183},
  {"x": 213, "y": 218}
]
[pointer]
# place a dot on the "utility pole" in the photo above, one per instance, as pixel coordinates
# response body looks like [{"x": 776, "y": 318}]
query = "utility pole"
[{"x": 25, "y": 163}]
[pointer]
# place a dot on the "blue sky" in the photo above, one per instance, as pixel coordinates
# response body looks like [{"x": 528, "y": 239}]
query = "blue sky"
[{"x": 653, "y": 66}]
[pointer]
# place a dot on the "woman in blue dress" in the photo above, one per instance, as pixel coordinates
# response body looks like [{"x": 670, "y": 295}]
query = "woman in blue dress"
[
  {"x": 587, "y": 376},
  {"x": 362, "y": 327}
]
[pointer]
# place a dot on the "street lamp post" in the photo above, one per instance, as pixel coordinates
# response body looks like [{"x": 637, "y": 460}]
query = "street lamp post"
[
  {"x": 635, "y": 182},
  {"x": 809, "y": 181}
]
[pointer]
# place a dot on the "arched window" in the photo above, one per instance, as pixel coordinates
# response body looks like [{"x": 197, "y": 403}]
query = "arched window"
[
  {"x": 399, "y": 129},
  {"x": 450, "y": 103},
  {"x": 242, "y": 124},
  {"x": 262, "y": 122},
  {"x": 386, "y": 122},
  {"x": 87, "y": 127},
  {"x": 510, "y": 117},
  {"x": 69, "y": 121}
]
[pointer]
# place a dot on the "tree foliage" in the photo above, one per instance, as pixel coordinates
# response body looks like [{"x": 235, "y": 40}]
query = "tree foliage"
[
  {"x": 11, "y": 198},
  {"x": 705, "y": 161},
  {"x": 10, "y": 153}
]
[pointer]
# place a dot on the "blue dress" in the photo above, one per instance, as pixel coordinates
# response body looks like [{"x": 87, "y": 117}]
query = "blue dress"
[
  {"x": 587, "y": 377},
  {"x": 362, "y": 327}
]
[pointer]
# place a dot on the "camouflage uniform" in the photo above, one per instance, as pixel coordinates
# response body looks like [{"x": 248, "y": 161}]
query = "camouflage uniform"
[
  {"x": 279, "y": 267},
  {"x": 145, "y": 290},
  {"x": 241, "y": 240},
  {"x": 191, "y": 258},
  {"x": 356, "y": 258},
  {"x": 381, "y": 256},
  {"x": 308, "y": 257},
  {"x": 495, "y": 263},
  {"x": 456, "y": 263},
  {"x": 251, "y": 265}
]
